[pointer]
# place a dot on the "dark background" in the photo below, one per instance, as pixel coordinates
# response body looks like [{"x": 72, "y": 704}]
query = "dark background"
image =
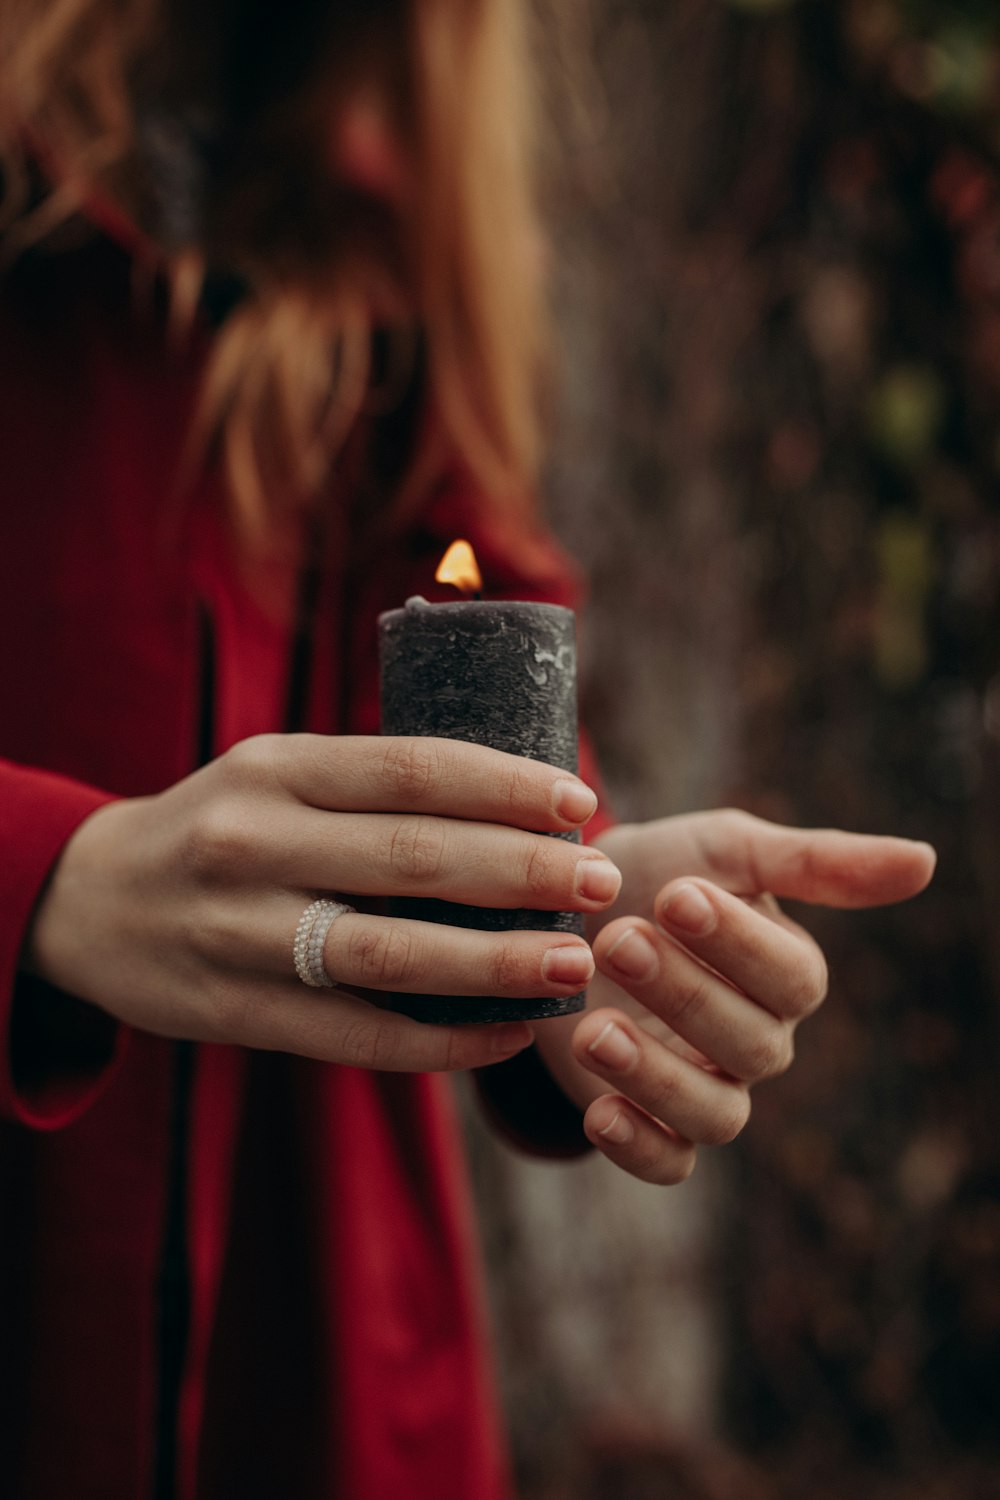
[{"x": 776, "y": 245}]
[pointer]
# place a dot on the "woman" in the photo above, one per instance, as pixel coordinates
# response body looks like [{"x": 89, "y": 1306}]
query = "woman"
[{"x": 244, "y": 1266}]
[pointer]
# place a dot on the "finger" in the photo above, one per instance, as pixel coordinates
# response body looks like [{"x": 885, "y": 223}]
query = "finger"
[
  {"x": 824, "y": 866},
  {"x": 777, "y": 964},
  {"x": 477, "y": 864},
  {"x": 362, "y": 773},
  {"x": 737, "y": 1035},
  {"x": 636, "y": 1143},
  {"x": 340, "y": 1028},
  {"x": 698, "y": 1105},
  {"x": 382, "y": 953},
  {"x": 394, "y": 954}
]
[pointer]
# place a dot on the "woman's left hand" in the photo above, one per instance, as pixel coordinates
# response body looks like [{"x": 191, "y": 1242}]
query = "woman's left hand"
[{"x": 702, "y": 979}]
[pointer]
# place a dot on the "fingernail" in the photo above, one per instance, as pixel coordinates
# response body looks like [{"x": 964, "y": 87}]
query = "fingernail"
[
  {"x": 513, "y": 1038},
  {"x": 568, "y": 965},
  {"x": 597, "y": 880},
  {"x": 614, "y": 1048},
  {"x": 633, "y": 955},
  {"x": 690, "y": 910},
  {"x": 620, "y": 1131},
  {"x": 573, "y": 801}
]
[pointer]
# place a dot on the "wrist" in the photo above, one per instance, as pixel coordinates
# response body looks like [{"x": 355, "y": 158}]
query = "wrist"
[{"x": 68, "y": 920}]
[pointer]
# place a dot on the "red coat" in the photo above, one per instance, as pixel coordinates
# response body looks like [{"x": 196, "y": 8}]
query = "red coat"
[{"x": 334, "y": 1330}]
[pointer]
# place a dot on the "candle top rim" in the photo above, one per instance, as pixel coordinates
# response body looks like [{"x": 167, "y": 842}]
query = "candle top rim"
[{"x": 425, "y": 609}]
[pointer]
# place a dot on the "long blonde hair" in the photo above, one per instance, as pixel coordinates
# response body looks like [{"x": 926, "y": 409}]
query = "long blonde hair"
[{"x": 91, "y": 85}]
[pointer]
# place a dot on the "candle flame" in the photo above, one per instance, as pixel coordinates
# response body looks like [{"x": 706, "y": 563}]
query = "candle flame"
[{"x": 459, "y": 566}]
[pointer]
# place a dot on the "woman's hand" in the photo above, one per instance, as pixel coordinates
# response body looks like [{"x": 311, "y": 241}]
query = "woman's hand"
[
  {"x": 177, "y": 913},
  {"x": 702, "y": 979}
]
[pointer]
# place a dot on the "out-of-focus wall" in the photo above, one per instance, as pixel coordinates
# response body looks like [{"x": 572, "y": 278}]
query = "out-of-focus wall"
[
  {"x": 776, "y": 245},
  {"x": 604, "y": 1301},
  {"x": 605, "y": 1290}
]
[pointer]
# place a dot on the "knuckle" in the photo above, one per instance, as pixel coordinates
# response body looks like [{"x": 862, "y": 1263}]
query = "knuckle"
[
  {"x": 218, "y": 842},
  {"x": 456, "y": 1048},
  {"x": 769, "y": 1055},
  {"x": 356, "y": 1045},
  {"x": 386, "y": 1049},
  {"x": 730, "y": 1120},
  {"x": 538, "y": 868},
  {"x": 254, "y": 761},
  {"x": 506, "y": 969},
  {"x": 365, "y": 1044},
  {"x": 671, "y": 1165},
  {"x": 416, "y": 850},
  {"x": 736, "y": 821},
  {"x": 820, "y": 983},
  {"x": 410, "y": 767},
  {"x": 518, "y": 789},
  {"x": 215, "y": 937},
  {"x": 382, "y": 959},
  {"x": 455, "y": 1054},
  {"x": 799, "y": 994},
  {"x": 684, "y": 1164},
  {"x": 668, "y": 1090},
  {"x": 808, "y": 991},
  {"x": 688, "y": 998}
]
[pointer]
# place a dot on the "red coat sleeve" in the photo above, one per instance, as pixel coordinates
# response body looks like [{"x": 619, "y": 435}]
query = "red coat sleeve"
[{"x": 55, "y": 1051}]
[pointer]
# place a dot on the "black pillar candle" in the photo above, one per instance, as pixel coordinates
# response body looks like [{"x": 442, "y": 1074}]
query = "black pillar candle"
[{"x": 494, "y": 673}]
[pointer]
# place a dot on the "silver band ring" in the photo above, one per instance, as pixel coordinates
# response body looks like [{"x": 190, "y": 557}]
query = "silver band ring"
[{"x": 310, "y": 940}]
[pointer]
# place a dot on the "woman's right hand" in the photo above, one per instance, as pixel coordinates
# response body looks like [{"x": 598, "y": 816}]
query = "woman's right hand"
[{"x": 177, "y": 912}]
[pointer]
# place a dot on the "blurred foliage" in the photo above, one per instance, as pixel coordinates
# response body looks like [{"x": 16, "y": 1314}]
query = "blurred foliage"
[
  {"x": 865, "y": 1293},
  {"x": 787, "y": 223},
  {"x": 941, "y": 52},
  {"x": 906, "y": 408}
]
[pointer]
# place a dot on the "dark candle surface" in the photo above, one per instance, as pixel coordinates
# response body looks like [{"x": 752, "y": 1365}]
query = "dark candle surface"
[{"x": 493, "y": 673}]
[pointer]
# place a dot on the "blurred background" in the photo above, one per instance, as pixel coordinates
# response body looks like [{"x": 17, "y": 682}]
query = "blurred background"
[{"x": 776, "y": 246}]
